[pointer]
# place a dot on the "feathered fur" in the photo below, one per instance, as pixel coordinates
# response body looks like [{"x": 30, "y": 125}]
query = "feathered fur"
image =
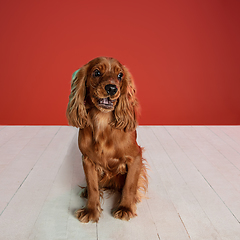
[{"x": 103, "y": 105}]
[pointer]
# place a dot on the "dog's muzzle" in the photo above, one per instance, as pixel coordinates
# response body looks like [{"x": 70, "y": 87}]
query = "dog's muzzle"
[{"x": 111, "y": 89}]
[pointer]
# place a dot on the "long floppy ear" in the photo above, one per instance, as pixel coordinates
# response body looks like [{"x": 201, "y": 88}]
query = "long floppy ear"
[
  {"x": 76, "y": 111},
  {"x": 127, "y": 107}
]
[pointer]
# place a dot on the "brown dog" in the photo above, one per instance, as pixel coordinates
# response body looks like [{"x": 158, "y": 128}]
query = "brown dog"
[{"x": 103, "y": 105}]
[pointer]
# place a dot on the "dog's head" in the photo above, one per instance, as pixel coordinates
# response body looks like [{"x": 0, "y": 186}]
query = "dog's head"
[{"x": 107, "y": 85}]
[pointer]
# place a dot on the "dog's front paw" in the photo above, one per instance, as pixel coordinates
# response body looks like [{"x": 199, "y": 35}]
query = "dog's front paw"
[
  {"x": 124, "y": 213},
  {"x": 86, "y": 215}
]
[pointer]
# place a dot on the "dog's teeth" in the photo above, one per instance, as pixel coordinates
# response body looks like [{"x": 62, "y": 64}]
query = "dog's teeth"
[{"x": 106, "y": 101}]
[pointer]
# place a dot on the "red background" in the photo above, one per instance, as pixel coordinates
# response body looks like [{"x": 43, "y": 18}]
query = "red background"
[{"x": 184, "y": 56}]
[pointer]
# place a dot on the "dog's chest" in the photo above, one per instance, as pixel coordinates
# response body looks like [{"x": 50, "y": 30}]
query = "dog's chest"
[
  {"x": 104, "y": 143},
  {"x": 103, "y": 139}
]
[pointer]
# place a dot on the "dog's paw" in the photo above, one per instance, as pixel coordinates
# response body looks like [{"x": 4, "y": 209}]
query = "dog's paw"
[
  {"x": 86, "y": 215},
  {"x": 124, "y": 213}
]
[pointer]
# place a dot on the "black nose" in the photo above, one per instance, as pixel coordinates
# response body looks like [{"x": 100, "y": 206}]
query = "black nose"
[{"x": 111, "y": 89}]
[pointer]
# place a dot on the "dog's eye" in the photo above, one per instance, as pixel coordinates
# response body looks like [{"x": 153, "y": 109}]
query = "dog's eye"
[
  {"x": 120, "y": 75},
  {"x": 96, "y": 73}
]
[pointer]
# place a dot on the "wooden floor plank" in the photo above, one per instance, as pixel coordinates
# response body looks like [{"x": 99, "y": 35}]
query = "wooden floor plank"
[
  {"x": 221, "y": 132},
  {"x": 13, "y": 147},
  {"x": 227, "y": 153},
  {"x": 8, "y": 132},
  {"x": 221, "y": 146},
  {"x": 234, "y": 133}
]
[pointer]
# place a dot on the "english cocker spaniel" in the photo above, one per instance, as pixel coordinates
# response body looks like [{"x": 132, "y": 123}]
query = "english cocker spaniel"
[{"x": 103, "y": 105}]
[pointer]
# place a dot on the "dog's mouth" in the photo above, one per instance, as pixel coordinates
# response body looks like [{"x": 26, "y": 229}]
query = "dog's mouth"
[{"x": 106, "y": 103}]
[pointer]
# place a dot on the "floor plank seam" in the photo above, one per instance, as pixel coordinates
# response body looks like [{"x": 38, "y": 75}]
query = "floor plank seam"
[
  {"x": 153, "y": 220},
  {"x": 12, "y": 136},
  {"x": 15, "y": 193},
  {"x": 19, "y": 152},
  {"x": 220, "y": 198},
  {"x": 184, "y": 226},
  {"x": 220, "y": 151},
  {"x": 231, "y": 138},
  {"x": 217, "y": 136}
]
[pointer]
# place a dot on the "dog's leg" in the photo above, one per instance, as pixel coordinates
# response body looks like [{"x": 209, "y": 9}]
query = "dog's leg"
[
  {"x": 127, "y": 206},
  {"x": 93, "y": 209}
]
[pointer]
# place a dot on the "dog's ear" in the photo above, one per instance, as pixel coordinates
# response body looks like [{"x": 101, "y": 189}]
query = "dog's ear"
[
  {"x": 76, "y": 111},
  {"x": 127, "y": 107}
]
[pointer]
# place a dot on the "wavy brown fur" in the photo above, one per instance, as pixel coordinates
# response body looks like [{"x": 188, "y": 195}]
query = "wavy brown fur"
[{"x": 107, "y": 121}]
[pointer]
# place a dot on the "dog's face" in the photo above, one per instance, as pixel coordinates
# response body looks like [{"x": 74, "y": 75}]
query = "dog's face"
[
  {"x": 105, "y": 84},
  {"x": 104, "y": 81}
]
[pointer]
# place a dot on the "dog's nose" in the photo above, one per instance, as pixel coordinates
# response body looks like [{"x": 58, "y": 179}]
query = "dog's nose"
[{"x": 111, "y": 89}]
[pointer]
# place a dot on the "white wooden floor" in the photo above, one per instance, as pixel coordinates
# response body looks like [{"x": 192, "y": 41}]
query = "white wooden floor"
[{"x": 194, "y": 189}]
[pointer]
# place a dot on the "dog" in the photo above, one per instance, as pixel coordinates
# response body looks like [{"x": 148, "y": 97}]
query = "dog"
[{"x": 103, "y": 105}]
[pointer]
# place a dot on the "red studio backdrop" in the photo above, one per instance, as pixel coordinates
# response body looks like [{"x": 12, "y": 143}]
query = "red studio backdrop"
[{"x": 184, "y": 56}]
